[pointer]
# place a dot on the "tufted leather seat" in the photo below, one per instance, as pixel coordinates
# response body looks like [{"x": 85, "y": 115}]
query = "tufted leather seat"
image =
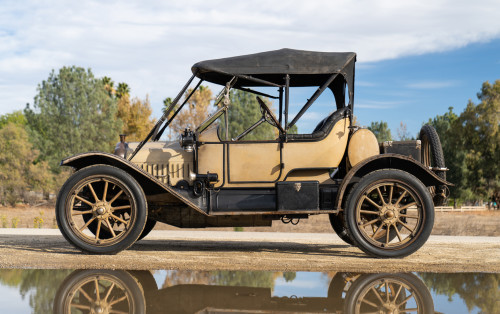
[{"x": 322, "y": 129}]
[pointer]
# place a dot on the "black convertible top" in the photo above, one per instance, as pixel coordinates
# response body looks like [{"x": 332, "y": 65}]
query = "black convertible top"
[{"x": 306, "y": 68}]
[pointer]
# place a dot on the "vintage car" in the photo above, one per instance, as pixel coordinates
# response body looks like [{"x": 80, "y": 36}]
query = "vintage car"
[{"x": 379, "y": 197}]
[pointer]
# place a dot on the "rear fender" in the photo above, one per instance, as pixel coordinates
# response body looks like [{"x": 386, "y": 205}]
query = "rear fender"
[
  {"x": 149, "y": 183},
  {"x": 385, "y": 161}
]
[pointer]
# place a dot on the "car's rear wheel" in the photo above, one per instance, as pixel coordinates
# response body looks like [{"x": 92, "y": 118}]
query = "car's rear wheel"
[
  {"x": 386, "y": 202},
  {"x": 338, "y": 225},
  {"x": 388, "y": 293},
  {"x": 107, "y": 198}
]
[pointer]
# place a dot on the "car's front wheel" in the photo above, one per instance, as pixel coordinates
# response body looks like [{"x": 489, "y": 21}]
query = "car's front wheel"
[
  {"x": 388, "y": 202},
  {"x": 101, "y": 210}
]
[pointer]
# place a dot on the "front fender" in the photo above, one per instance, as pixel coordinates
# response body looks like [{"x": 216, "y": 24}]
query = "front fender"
[
  {"x": 148, "y": 182},
  {"x": 385, "y": 161}
]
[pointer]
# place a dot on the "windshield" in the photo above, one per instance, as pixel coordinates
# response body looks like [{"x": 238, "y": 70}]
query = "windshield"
[{"x": 222, "y": 98}]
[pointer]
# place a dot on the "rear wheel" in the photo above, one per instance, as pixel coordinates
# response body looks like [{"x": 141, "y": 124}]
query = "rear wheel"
[
  {"x": 386, "y": 202},
  {"x": 337, "y": 222},
  {"x": 388, "y": 293},
  {"x": 101, "y": 210}
]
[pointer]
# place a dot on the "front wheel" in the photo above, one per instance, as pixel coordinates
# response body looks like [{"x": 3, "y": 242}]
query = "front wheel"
[
  {"x": 99, "y": 291},
  {"x": 101, "y": 210},
  {"x": 385, "y": 202}
]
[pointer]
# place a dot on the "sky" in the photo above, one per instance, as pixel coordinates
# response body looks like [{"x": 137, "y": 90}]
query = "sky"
[{"x": 414, "y": 58}]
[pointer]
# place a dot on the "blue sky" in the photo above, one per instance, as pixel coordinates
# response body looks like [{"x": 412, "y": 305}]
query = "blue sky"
[
  {"x": 415, "y": 58},
  {"x": 413, "y": 89}
]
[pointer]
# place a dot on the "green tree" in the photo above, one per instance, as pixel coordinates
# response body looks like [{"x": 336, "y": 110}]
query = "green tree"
[
  {"x": 16, "y": 117},
  {"x": 475, "y": 289},
  {"x": 40, "y": 286},
  {"x": 109, "y": 86},
  {"x": 449, "y": 130},
  {"x": 18, "y": 170},
  {"x": 262, "y": 279},
  {"x": 289, "y": 276},
  {"x": 381, "y": 131},
  {"x": 471, "y": 145},
  {"x": 480, "y": 136},
  {"x": 243, "y": 112},
  {"x": 72, "y": 113},
  {"x": 122, "y": 89}
]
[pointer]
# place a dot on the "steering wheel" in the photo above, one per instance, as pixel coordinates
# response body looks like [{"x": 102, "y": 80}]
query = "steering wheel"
[{"x": 268, "y": 114}]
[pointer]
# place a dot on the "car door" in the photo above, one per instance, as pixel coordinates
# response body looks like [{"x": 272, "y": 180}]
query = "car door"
[{"x": 253, "y": 162}]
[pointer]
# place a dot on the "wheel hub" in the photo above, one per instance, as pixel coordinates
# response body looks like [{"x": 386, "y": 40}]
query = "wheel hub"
[
  {"x": 102, "y": 210},
  {"x": 389, "y": 214},
  {"x": 391, "y": 308},
  {"x": 100, "y": 308}
]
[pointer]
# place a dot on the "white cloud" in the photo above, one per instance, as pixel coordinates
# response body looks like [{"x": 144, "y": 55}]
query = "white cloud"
[
  {"x": 373, "y": 104},
  {"x": 365, "y": 83},
  {"x": 432, "y": 84},
  {"x": 151, "y": 45}
]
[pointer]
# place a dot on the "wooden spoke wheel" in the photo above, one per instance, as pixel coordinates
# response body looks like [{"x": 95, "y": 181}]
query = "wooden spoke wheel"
[
  {"x": 389, "y": 293},
  {"x": 99, "y": 291},
  {"x": 101, "y": 209},
  {"x": 389, "y": 213}
]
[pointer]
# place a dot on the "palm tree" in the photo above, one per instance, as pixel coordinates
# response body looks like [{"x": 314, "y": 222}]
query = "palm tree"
[{"x": 122, "y": 90}]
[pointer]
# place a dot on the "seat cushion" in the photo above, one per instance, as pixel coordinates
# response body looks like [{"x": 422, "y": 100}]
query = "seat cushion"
[{"x": 322, "y": 129}]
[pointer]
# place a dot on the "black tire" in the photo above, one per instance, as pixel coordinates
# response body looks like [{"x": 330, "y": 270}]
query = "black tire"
[
  {"x": 150, "y": 224},
  {"x": 383, "y": 201},
  {"x": 432, "y": 152},
  {"x": 337, "y": 222},
  {"x": 335, "y": 292},
  {"x": 93, "y": 191},
  {"x": 393, "y": 293},
  {"x": 147, "y": 282},
  {"x": 432, "y": 156},
  {"x": 145, "y": 279},
  {"x": 118, "y": 291}
]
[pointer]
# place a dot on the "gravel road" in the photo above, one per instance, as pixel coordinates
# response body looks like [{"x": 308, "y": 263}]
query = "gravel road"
[{"x": 218, "y": 250}]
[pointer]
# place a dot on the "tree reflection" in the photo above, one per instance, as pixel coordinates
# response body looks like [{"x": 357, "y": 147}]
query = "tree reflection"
[
  {"x": 226, "y": 278},
  {"x": 39, "y": 286},
  {"x": 481, "y": 290}
]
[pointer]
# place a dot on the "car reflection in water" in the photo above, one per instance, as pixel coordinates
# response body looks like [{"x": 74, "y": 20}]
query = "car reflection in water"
[{"x": 116, "y": 291}]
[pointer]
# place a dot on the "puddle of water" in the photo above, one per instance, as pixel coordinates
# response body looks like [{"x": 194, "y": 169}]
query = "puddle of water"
[{"x": 180, "y": 291}]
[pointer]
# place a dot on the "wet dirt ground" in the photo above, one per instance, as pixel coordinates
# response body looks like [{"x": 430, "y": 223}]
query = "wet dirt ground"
[{"x": 218, "y": 250}]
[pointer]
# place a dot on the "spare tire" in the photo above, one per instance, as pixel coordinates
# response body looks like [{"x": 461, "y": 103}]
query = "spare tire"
[{"x": 432, "y": 156}]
